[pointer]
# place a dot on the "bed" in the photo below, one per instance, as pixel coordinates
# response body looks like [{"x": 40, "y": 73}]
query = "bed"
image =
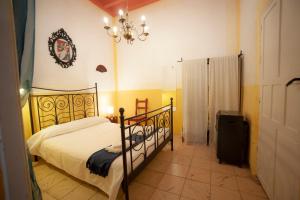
[{"x": 68, "y": 130}]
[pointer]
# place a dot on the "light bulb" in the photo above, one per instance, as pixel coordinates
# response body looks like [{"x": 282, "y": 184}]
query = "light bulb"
[
  {"x": 105, "y": 20},
  {"x": 22, "y": 91},
  {"x": 143, "y": 18},
  {"x": 121, "y": 13},
  {"x": 115, "y": 30}
]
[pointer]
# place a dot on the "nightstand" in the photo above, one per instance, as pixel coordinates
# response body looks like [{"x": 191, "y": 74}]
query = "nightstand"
[{"x": 112, "y": 118}]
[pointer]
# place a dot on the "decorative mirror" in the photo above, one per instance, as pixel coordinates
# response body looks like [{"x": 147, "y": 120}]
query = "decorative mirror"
[{"x": 62, "y": 48}]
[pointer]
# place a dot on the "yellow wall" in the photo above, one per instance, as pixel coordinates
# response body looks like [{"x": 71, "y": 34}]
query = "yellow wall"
[
  {"x": 126, "y": 99},
  {"x": 166, "y": 95},
  {"x": 251, "y": 111}
]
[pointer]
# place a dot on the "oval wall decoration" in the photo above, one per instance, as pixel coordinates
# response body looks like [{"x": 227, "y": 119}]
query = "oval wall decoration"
[{"x": 62, "y": 48}]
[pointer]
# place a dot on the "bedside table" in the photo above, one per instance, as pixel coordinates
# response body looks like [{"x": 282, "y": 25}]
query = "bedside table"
[{"x": 112, "y": 119}]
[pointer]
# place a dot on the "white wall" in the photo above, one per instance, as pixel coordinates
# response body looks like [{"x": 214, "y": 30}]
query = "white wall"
[
  {"x": 248, "y": 40},
  {"x": 178, "y": 28},
  {"x": 82, "y": 20}
]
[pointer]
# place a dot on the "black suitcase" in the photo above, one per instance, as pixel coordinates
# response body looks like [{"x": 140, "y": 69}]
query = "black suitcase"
[{"x": 232, "y": 138}]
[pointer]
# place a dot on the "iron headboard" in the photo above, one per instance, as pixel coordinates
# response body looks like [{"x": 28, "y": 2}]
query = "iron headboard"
[{"x": 62, "y": 106}]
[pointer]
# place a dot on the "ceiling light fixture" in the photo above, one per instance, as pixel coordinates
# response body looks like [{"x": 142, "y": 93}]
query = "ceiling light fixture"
[{"x": 127, "y": 28}]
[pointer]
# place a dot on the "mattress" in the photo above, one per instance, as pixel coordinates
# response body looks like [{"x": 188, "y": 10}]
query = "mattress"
[{"x": 68, "y": 147}]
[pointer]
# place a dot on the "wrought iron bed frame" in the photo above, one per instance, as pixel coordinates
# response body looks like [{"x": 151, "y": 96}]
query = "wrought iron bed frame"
[{"x": 71, "y": 105}]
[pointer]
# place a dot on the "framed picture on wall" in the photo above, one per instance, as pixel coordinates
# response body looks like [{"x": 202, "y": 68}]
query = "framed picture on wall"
[{"x": 62, "y": 49}]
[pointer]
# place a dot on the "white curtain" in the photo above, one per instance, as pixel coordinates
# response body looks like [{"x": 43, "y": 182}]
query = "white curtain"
[
  {"x": 224, "y": 89},
  {"x": 195, "y": 100}
]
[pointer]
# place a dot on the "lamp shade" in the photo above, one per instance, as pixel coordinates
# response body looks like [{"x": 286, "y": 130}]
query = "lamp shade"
[{"x": 109, "y": 110}]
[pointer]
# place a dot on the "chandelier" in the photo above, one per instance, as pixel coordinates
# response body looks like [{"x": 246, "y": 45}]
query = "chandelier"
[{"x": 127, "y": 28}]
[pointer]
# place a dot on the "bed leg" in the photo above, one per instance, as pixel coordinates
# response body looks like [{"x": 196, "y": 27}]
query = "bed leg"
[
  {"x": 172, "y": 144},
  {"x": 125, "y": 190},
  {"x": 125, "y": 180}
]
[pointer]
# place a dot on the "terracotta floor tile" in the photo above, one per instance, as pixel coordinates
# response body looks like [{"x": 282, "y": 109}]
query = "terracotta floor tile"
[
  {"x": 172, "y": 184},
  {"x": 48, "y": 182},
  {"x": 213, "y": 156},
  {"x": 47, "y": 196},
  {"x": 81, "y": 193},
  {"x": 63, "y": 188},
  {"x": 202, "y": 153},
  {"x": 201, "y": 163},
  {"x": 149, "y": 177},
  {"x": 223, "y": 168},
  {"x": 185, "y": 198},
  {"x": 165, "y": 156},
  {"x": 196, "y": 190},
  {"x": 198, "y": 174},
  {"x": 158, "y": 165},
  {"x": 224, "y": 181},
  {"x": 246, "y": 196},
  {"x": 162, "y": 195},
  {"x": 219, "y": 193},
  {"x": 139, "y": 191},
  {"x": 99, "y": 196},
  {"x": 185, "y": 150},
  {"x": 242, "y": 172},
  {"x": 251, "y": 186},
  {"x": 41, "y": 171},
  {"x": 181, "y": 159},
  {"x": 177, "y": 170}
]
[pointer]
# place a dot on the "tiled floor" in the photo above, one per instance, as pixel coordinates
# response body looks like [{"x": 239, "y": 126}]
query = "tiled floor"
[{"x": 189, "y": 172}]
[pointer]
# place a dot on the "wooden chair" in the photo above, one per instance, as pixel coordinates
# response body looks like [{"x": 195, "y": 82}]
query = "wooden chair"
[{"x": 141, "y": 106}]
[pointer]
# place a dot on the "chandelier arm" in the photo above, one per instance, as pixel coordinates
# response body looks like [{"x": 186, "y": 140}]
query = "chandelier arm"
[
  {"x": 117, "y": 39},
  {"x": 142, "y": 39},
  {"x": 143, "y": 36},
  {"x": 143, "y": 31},
  {"x": 109, "y": 32}
]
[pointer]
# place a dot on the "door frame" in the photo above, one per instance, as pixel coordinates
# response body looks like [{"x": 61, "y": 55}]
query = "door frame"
[{"x": 13, "y": 158}]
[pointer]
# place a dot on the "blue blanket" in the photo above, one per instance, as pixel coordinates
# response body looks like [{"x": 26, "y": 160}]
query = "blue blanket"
[{"x": 100, "y": 161}]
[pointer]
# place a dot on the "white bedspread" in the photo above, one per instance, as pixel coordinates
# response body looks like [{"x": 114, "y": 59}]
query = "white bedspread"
[{"x": 68, "y": 147}]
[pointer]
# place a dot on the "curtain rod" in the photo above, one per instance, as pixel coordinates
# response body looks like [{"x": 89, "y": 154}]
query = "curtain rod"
[
  {"x": 240, "y": 54},
  {"x": 181, "y": 60}
]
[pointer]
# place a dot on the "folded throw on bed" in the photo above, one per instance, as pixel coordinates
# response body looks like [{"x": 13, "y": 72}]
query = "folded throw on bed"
[{"x": 100, "y": 162}]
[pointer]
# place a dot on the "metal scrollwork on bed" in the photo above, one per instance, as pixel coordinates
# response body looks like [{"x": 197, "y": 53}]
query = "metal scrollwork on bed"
[
  {"x": 62, "y": 106},
  {"x": 158, "y": 126}
]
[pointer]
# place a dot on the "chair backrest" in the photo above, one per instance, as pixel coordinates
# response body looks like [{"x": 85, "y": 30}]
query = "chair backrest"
[{"x": 141, "y": 106}]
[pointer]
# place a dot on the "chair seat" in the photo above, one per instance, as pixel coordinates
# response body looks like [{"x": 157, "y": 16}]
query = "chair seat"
[{"x": 137, "y": 119}]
